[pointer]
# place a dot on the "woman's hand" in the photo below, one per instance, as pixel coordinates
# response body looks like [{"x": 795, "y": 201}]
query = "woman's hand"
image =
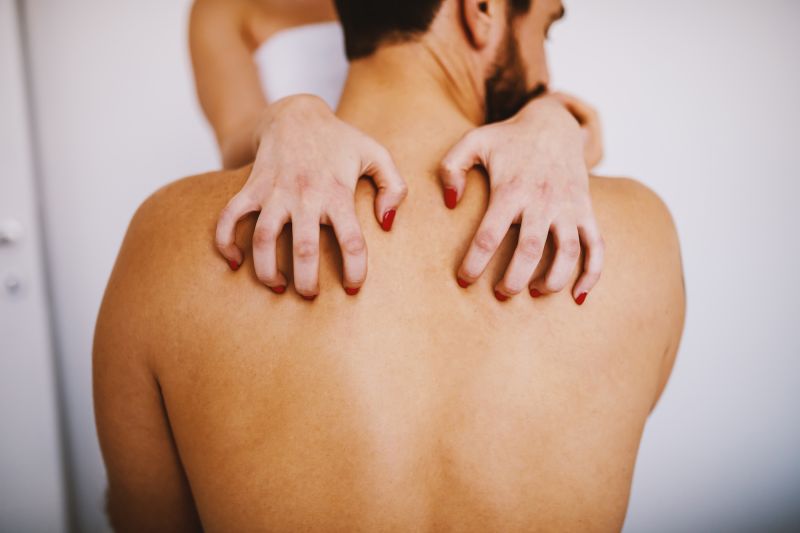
[
  {"x": 307, "y": 166},
  {"x": 539, "y": 179},
  {"x": 591, "y": 127}
]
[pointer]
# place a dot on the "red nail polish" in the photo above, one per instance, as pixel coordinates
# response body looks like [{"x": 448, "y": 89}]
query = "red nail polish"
[
  {"x": 450, "y": 197},
  {"x": 535, "y": 293},
  {"x": 233, "y": 264},
  {"x": 352, "y": 291},
  {"x": 280, "y": 289},
  {"x": 310, "y": 298},
  {"x": 388, "y": 220},
  {"x": 462, "y": 283},
  {"x": 500, "y": 296},
  {"x": 582, "y": 298}
]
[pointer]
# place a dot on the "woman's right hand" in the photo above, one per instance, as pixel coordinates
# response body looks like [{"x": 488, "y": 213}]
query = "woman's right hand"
[{"x": 307, "y": 166}]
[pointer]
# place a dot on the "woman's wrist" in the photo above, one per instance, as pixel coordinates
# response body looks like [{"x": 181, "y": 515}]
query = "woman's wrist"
[{"x": 295, "y": 106}]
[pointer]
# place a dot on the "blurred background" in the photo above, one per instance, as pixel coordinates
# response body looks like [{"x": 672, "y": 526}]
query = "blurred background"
[{"x": 699, "y": 100}]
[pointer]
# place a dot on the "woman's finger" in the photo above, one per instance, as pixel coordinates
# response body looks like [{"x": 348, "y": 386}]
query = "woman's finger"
[
  {"x": 305, "y": 251},
  {"x": 528, "y": 254},
  {"x": 239, "y": 207},
  {"x": 594, "y": 250},
  {"x": 567, "y": 252},
  {"x": 457, "y": 163},
  {"x": 268, "y": 229},
  {"x": 345, "y": 224},
  {"x": 499, "y": 216},
  {"x": 392, "y": 188}
]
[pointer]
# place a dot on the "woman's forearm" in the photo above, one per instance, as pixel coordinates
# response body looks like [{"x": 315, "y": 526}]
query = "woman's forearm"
[
  {"x": 227, "y": 79},
  {"x": 239, "y": 145}
]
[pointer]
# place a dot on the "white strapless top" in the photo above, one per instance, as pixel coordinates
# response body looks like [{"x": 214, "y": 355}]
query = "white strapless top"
[{"x": 305, "y": 59}]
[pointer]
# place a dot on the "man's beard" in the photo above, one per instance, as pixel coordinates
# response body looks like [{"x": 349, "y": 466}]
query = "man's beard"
[{"x": 506, "y": 89}]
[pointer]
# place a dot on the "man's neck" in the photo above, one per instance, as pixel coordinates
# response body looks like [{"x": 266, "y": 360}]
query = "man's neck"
[{"x": 410, "y": 93}]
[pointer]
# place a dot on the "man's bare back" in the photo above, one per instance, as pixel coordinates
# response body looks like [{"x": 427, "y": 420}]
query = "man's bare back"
[{"x": 416, "y": 405}]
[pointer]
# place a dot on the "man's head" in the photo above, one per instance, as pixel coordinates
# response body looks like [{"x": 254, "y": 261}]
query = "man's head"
[{"x": 503, "y": 40}]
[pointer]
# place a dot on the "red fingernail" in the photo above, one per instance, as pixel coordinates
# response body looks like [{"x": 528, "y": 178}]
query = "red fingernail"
[
  {"x": 500, "y": 296},
  {"x": 535, "y": 293},
  {"x": 582, "y": 298},
  {"x": 280, "y": 289},
  {"x": 388, "y": 220},
  {"x": 310, "y": 298},
  {"x": 450, "y": 197},
  {"x": 233, "y": 264},
  {"x": 352, "y": 291},
  {"x": 462, "y": 283}
]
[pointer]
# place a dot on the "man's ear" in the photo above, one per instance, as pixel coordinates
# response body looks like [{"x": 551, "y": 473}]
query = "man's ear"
[{"x": 478, "y": 18}]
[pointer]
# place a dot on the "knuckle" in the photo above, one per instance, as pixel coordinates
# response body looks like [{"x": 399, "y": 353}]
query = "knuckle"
[
  {"x": 487, "y": 241},
  {"x": 402, "y": 189},
  {"x": 263, "y": 236},
  {"x": 221, "y": 239},
  {"x": 303, "y": 183},
  {"x": 474, "y": 136},
  {"x": 571, "y": 248},
  {"x": 531, "y": 247},
  {"x": 245, "y": 200},
  {"x": 383, "y": 155},
  {"x": 354, "y": 245},
  {"x": 229, "y": 213},
  {"x": 449, "y": 166},
  {"x": 543, "y": 190},
  {"x": 305, "y": 249},
  {"x": 510, "y": 188}
]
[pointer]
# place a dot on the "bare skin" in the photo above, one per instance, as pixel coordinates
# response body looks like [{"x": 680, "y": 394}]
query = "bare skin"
[
  {"x": 223, "y": 36},
  {"x": 416, "y": 406},
  {"x": 551, "y": 142}
]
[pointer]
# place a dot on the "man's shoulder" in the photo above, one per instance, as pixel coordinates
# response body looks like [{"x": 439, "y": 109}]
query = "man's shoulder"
[
  {"x": 168, "y": 259},
  {"x": 171, "y": 234},
  {"x": 630, "y": 207},
  {"x": 643, "y": 256},
  {"x": 175, "y": 203}
]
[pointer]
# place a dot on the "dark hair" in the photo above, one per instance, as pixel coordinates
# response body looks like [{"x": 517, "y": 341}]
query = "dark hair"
[{"x": 370, "y": 23}]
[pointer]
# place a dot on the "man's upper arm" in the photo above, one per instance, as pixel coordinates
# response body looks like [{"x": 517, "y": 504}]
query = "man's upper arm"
[
  {"x": 667, "y": 293},
  {"x": 148, "y": 490}
]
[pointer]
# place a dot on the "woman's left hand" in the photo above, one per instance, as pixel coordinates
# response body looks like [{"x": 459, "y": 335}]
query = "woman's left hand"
[{"x": 537, "y": 163}]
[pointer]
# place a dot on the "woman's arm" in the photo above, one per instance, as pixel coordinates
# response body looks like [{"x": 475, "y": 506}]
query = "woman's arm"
[
  {"x": 227, "y": 79},
  {"x": 223, "y": 35}
]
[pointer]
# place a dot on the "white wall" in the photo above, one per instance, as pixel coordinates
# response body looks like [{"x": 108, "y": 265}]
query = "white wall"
[
  {"x": 31, "y": 475},
  {"x": 117, "y": 118},
  {"x": 699, "y": 101}
]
